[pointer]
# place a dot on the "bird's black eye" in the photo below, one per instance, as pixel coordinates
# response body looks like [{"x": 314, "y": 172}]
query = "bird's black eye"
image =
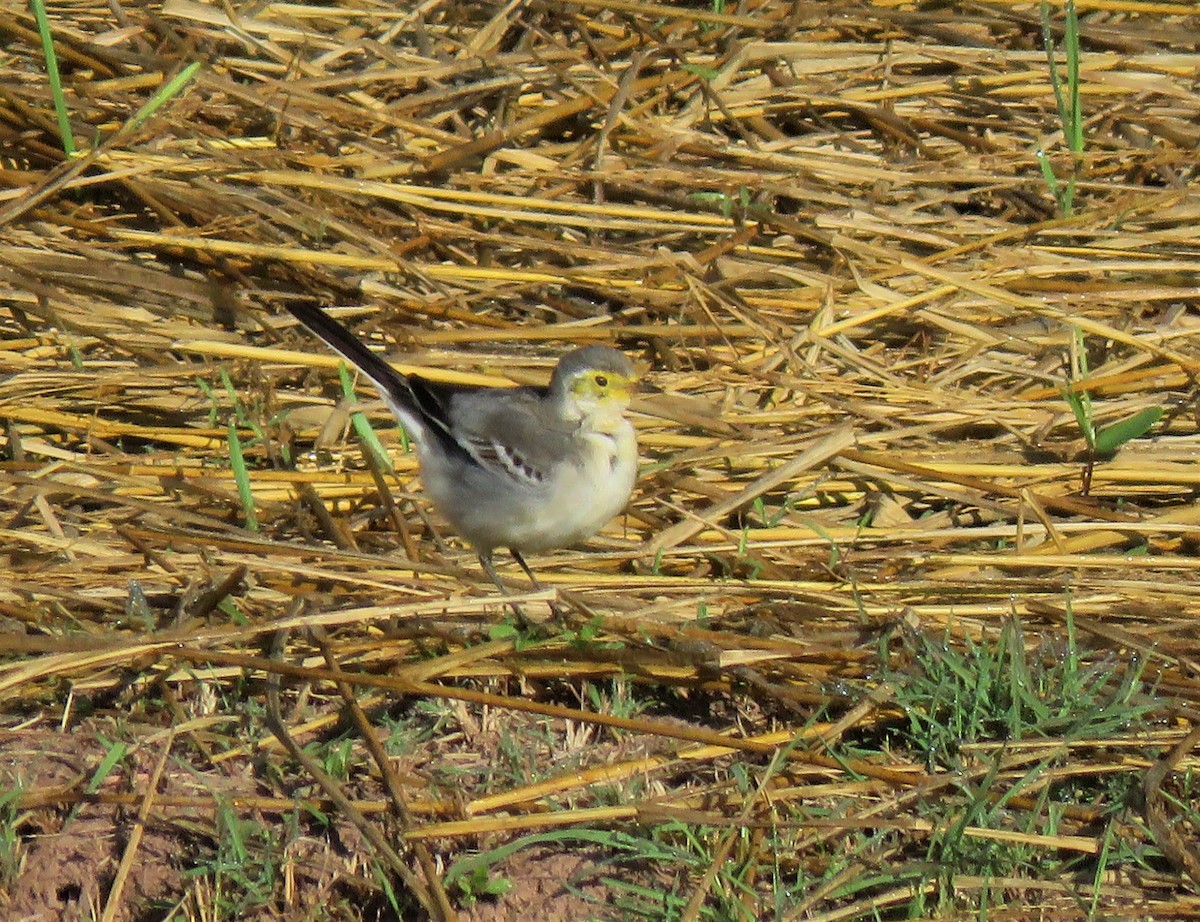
[{"x": 601, "y": 381}]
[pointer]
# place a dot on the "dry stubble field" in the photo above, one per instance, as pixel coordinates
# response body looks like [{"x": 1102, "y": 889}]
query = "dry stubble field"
[{"x": 886, "y": 631}]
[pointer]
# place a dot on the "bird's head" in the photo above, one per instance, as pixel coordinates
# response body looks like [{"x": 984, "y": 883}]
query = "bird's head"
[{"x": 594, "y": 383}]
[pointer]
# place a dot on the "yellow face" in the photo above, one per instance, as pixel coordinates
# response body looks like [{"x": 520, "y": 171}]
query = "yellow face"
[{"x": 602, "y": 389}]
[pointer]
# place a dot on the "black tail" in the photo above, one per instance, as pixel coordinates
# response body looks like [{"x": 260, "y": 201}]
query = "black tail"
[
  {"x": 422, "y": 406},
  {"x": 392, "y": 385}
]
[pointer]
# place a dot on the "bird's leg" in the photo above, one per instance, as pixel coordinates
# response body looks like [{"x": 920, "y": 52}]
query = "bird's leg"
[
  {"x": 554, "y": 610},
  {"x": 516, "y": 555},
  {"x": 485, "y": 560}
]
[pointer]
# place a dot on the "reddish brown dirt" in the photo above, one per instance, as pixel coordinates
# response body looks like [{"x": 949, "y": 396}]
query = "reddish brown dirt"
[
  {"x": 549, "y": 886},
  {"x": 66, "y": 856}
]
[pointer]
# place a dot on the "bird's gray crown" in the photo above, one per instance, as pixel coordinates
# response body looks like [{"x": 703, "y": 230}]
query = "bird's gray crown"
[{"x": 593, "y": 358}]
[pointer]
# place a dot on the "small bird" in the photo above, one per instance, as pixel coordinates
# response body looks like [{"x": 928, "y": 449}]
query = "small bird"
[{"x": 525, "y": 468}]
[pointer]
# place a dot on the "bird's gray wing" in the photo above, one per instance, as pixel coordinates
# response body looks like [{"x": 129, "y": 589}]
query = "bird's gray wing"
[{"x": 511, "y": 432}]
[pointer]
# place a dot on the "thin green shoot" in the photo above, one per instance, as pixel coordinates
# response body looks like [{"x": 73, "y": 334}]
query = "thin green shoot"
[
  {"x": 168, "y": 91},
  {"x": 213, "y": 409},
  {"x": 10, "y": 839},
  {"x": 1110, "y": 438},
  {"x": 615, "y": 697},
  {"x": 239, "y": 411},
  {"x": 336, "y": 757},
  {"x": 1079, "y": 400},
  {"x": 115, "y": 753},
  {"x": 1102, "y": 868},
  {"x": 65, "y": 133},
  {"x": 241, "y": 414},
  {"x": 474, "y": 875},
  {"x": 362, "y": 426},
  {"x": 704, "y": 73},
  {"x": 835, "y": 552},
  {"x": 656, "y": 568},
  {"x": 1100, "y": 442},
  {"x": 1070, "y": 113},
  {"x": 389, "y": 891},
  {"x": 229, "y": 608},
  {"x": 244, "y": 870},
  {"x": 241, "y": 476}
]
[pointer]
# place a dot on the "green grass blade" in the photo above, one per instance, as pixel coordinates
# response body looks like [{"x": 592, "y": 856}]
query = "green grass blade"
[
  {"x": 1070, "y": 113},
  {"x": 1055, "y": 81},
  {"x": 1073, "y": 125},
  {"x": 1110, "y": 438},
  {"x": 66, "y": 135},
  {"x": 362, "y": 425},
  {"x": 237, "y": 462},
  {"x": 243, "y": 419},
  {"x": 167, "y": 92},
  {"x": 115, "y": 753},
  {"x": 1048, "y": 175},
  {"x": 1083, "y": 415}
]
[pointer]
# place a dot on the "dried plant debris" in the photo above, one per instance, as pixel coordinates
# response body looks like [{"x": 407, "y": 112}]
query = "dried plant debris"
[{"x": 901, "y": 619}]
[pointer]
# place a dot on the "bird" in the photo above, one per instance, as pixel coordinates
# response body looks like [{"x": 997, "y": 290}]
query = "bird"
[{"x": 528, "y": 469}]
